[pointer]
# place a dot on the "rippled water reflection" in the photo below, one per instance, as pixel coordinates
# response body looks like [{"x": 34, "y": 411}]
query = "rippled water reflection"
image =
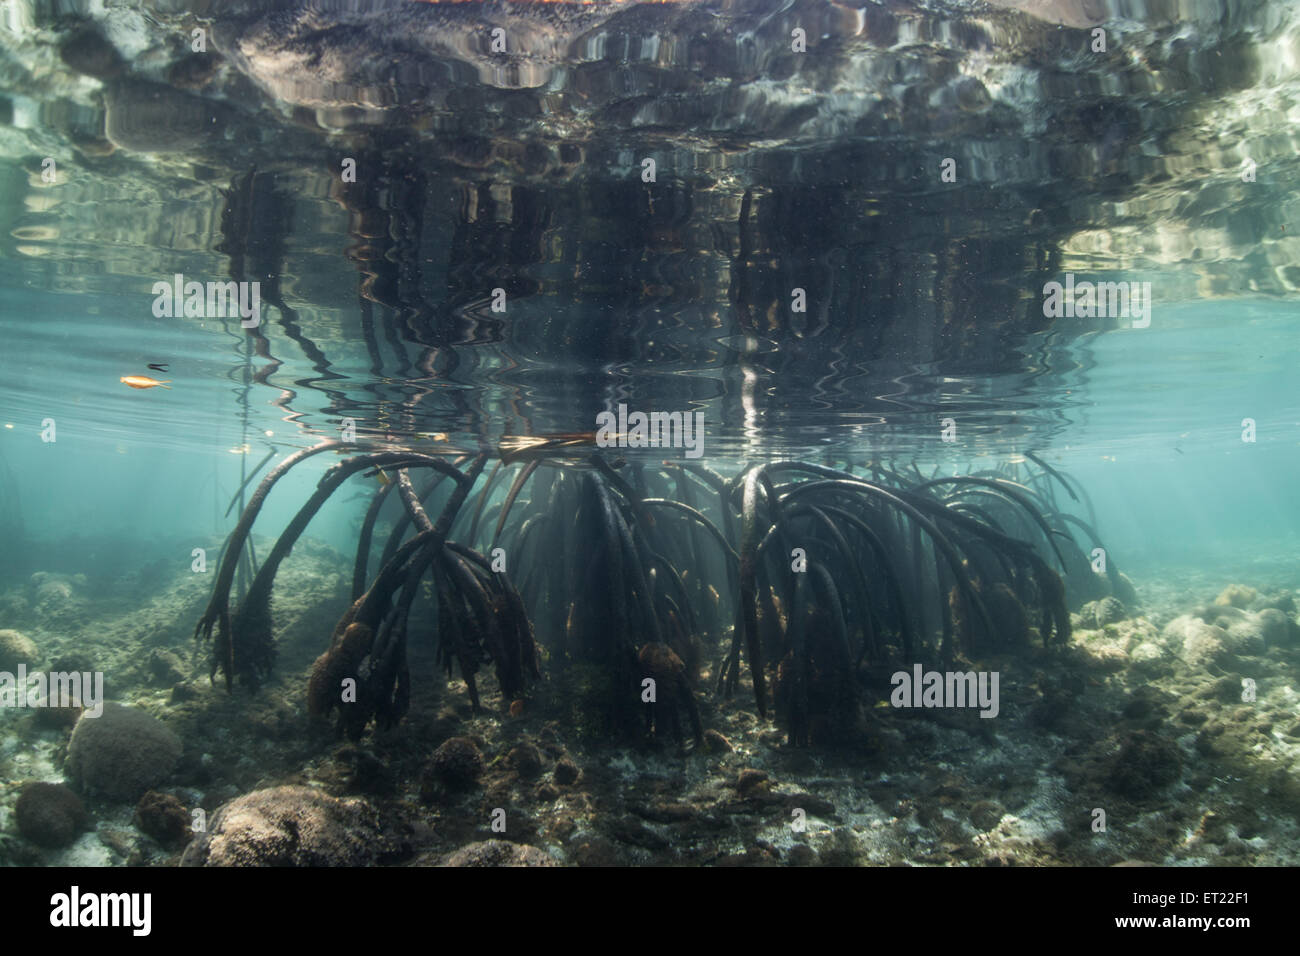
[{"x": 852, "y": 216}]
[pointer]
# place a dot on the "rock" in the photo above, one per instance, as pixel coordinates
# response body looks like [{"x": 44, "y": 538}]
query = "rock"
[
  {"x": 49, "y": 814},
  {"x": 1146, "y": 651},
  {"x": 1205, "y": 647},
  {"x": 1237, "y": 595},
  {"x": 751, "y": 782},
  {"x": 664, "y": 811},
  {"x": 166, "y": 667},
  {"x": 74, "y": 662},
  {"x": 566, "y": 771},
  {"x": 292, "y": 826},
  {"x": 1086, "y": 619},
  {"x": 1110, "y": 611},
  {"x": 628, "y": 830},
  {"x": 1280, "y": 601},
  {"x": 546, "y": 793},
  {"x": 53, "y": 594},
  {"x": 86, "y": 51},
  {"x": 499, "y": 853},
  {"x": 1200, "y": 645},
  {"x": 1276, "y": 629},
  {"x": 148, "y": 117},
  {"x": 811, "y": 804},
  {"x": 183, "y": 692},
  {"x": 525, "y": 760},
  {"x": 15, "y": 649},
  {"x": 986, "y": 814},
  {"x": 801, "y": 854},
  {"x": 1244, "y": 638},
  {"x": 1146, "y": 764},
  {"x": 195, "y": 71},
  {"x": 163, "y": 817},
  {"x": 754, "y": 856},
  {"x": 121, "y": 753},
  {"x": 716, "y": 743},
  {"x": 456, "y": 765},
  {"x": 596, "y": 852},
  {"x": 1223, "y": 615}
]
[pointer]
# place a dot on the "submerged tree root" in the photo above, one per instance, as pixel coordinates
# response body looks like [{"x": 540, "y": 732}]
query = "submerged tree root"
[{"x": 821, "y": 576}]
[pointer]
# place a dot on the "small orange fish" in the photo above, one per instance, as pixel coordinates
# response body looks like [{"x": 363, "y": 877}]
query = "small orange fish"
[
  {"x": 517, "y": 708},
  {"x": 144, "y": 381}
]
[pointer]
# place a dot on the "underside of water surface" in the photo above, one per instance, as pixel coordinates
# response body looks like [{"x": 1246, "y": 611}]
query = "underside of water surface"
[{"x": 710, "y": 432}]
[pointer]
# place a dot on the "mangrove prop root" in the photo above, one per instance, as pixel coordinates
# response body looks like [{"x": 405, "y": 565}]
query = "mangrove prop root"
[
  {"x": 250, "y": 642},
  {"x": 636, "y": 570},
  {"x": 217, "y": 613}
]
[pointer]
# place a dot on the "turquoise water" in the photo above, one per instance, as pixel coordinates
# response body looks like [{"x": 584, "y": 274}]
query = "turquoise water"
[{"x": 839, "y": 255}]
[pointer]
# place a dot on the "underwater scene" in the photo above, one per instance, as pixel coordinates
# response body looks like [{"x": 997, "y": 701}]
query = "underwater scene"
[{"x": 797, "y": 433}]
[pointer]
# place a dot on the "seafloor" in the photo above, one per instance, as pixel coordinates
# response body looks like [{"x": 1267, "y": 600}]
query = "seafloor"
[{"x": 1142, "y": 718}]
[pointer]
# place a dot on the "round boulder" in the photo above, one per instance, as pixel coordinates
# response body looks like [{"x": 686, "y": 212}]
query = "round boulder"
[
  {"x": 1275, "y": 627},
  {"x": 49, "y": 814},
  {"x": 498, "y": 853},
  {"x": 121, "y": 753},
  {"x": 291, "y": 826},
  {"x": 456, "y": 764},
  {"x": 17, "y": 648}
]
